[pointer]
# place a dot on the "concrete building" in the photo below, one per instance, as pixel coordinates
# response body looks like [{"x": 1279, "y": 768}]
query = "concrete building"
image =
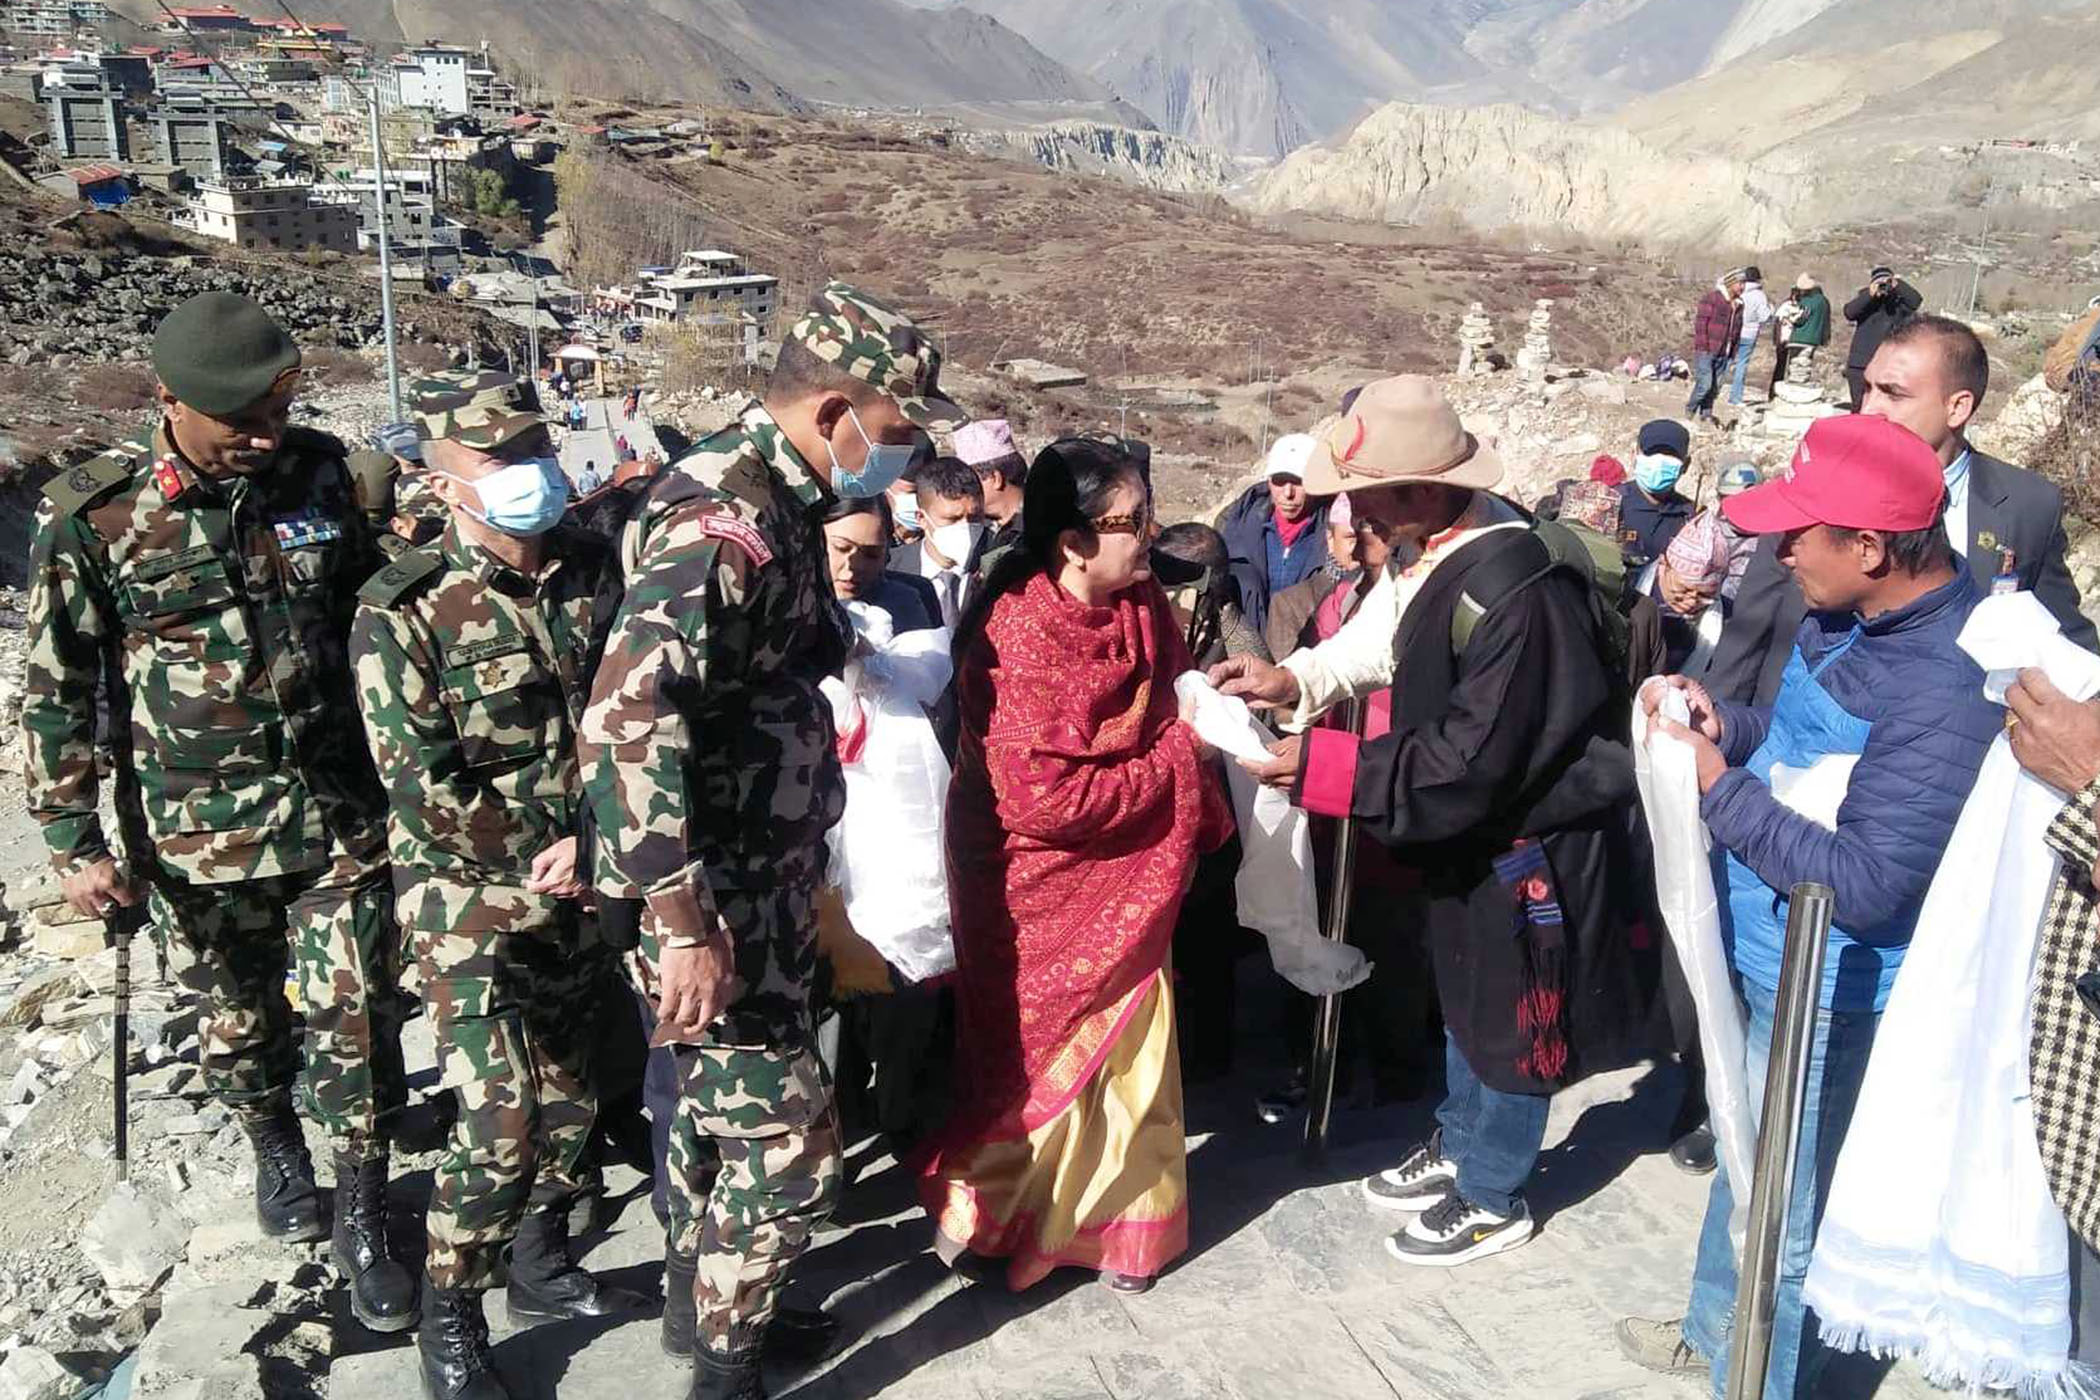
[
  {"x": 449, "y": 79},
  {"x": 252, "y": 213},
  {"x": 414, "y": 225},
  {"x": 39, "y": 20},
  {"x": 102, "y": 185},
  {"x": 709, "y": 286},
  {"x": 193, "y": 134},
  {"x": 84, "y": 115},
  {"x": 207, "y": 19}
]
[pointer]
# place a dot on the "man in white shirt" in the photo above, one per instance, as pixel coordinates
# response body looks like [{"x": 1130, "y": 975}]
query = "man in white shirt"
[{"x": 951, "y": 510}]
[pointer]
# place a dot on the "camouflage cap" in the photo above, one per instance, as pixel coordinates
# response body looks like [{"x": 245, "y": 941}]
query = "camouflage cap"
[
  {"x": 880, "y": 346},
  {"x": 477, "y": 408},
  {"x": 219, "y": 352}
]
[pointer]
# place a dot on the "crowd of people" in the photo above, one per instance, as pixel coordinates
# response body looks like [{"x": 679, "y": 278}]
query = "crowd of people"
[{"x": 846, "y": 778}]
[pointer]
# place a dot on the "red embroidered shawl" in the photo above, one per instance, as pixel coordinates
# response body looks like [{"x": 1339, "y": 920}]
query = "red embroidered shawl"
[{"x": 1077, "y": 811}]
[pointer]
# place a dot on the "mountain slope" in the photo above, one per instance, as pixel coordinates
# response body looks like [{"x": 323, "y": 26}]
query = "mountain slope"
[{"x": 1499, "y": 166}]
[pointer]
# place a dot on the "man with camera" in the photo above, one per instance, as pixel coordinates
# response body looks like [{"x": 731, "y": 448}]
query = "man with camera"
[{"x": 1886, "y": 302}]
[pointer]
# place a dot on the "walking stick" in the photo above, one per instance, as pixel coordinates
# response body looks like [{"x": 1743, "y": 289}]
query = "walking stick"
[
  {"x": 1319, "y": 1100},
  {"x": 124, "y": 925}
]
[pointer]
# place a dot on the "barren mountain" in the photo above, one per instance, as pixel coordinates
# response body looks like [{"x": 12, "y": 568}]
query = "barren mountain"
[{"x": 1499, "y": 166}]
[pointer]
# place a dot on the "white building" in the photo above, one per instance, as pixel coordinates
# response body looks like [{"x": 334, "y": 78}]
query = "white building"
[
  {"x": 710, "y": 286},
  {"x": 449, "y": 79},
  {"x": 412, "y": 218},
  {"x": 252, "y": 213}
]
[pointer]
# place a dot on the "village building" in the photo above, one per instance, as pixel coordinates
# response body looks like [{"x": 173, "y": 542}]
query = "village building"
[
  {"x": 709, "y": 286},
  {"x": 83, "y": 113},
  {"x": 257, "y": 213}
]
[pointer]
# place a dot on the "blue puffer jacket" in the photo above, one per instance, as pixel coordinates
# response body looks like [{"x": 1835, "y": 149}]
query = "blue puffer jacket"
[
  {"x": 1248, "y": 527},
  {"x": 1918, "y": 700}
]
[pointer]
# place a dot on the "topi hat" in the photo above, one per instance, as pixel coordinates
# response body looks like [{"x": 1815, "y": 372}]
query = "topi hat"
[
  {"x": 219, "y": 352},
  {"x": 1400, "y": 430},
  {"x": 985, "y": 441},
  {"x": 873, "y": 342}
]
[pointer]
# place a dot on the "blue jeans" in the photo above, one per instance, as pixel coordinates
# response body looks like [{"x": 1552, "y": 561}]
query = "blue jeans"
[
  {"x": 1743, "y": 351},
  {"x": 1706, "y": 383},
  {"x": 1494, "y": 1137},
  {"x": 1837, "y": 1062}
]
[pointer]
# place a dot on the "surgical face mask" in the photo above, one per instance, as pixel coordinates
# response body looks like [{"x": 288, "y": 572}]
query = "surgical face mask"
[
  {"x": 886, "y": 462},
  {"x": 1656, "y": 472},
  {"x": 520, "y": 498},
  {"x": 957, "y": 540},
  {"x": 906, "y": 507}
]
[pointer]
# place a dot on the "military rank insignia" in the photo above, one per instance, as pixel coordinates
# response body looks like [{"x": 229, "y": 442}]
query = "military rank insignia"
[
  {"x": 168, "y": 477},
  {"x": 305, "y": 530}
]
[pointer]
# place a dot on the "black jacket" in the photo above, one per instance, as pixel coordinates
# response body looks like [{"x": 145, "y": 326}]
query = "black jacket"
[
  {"x": 2017, "y": 509},
  {"x": 1874, "y": 317}
]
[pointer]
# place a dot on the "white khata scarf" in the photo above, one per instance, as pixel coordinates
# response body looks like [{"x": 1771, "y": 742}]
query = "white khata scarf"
[{"x": 1941, "y": 1241}]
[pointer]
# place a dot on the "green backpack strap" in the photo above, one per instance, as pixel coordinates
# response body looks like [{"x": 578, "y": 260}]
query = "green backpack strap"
[{"x": 1522, "y": 558}]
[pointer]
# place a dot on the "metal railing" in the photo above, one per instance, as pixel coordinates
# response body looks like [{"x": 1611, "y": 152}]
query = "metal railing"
[{"x": 1779, "y": 1135}]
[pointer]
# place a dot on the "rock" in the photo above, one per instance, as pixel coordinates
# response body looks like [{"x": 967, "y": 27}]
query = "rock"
[
  {"x": 77, "y": 938},
  {"x": 31, "y": 1373},
  {"x": 1603, "y": 390},
  {"x": 207, "y": 1334},
  {"x": 133, "y": 1240},
  {"x": 76, "y": 1012},
  {"x": 27, "y": 1085},
  {"x": 237, "y": 1379},
  {"x": 216, "y": 1242},
  {"x": 49, "y": 985}
]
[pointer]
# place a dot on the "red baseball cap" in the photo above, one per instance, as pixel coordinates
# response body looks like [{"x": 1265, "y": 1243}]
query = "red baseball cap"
[{"x": 1856, "y": 472}]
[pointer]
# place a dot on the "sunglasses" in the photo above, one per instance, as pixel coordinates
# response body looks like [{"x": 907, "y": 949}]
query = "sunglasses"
[{"x": 1142, "y": 523}]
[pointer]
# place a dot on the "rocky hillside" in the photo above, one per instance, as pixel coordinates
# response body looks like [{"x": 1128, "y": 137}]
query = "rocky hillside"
[
  {"x": 1149, "y": 158},
  {"x": 1500, "y": 166}
]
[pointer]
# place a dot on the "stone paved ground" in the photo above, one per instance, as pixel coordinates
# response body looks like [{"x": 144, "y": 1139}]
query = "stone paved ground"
[{"x": 1286, "y": 1290}]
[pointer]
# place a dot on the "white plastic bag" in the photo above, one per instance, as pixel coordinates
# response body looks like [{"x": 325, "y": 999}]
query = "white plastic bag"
[
  {"x": 1665, "y": 771},
  {"x": 1275, "y": 882},
  {"x": 887, "y": 852}
]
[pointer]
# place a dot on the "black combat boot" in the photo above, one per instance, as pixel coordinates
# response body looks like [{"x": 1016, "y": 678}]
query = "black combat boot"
[
  {"x": 287, "y": 1202},
  {"x": 453, "y": 1345},
  {"x": 546, "y": 1285},
  {"x": 726, "y": 1375},
  {"x": 796, "y": 1334},
  {"x": 382, "y": 1290}
]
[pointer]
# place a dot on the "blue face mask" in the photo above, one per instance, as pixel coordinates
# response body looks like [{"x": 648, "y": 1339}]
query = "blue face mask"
[
  {"x": 1656, "y": 472},
  {"x": 886, "y": 463},
  {"x": 521, "y": 498}
]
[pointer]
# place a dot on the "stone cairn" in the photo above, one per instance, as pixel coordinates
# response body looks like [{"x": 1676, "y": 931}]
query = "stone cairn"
[
  {"x": 1476, "y": 342},
  {"x": 1537, "y": 352},
  {"x": 1797, "y": 401}
]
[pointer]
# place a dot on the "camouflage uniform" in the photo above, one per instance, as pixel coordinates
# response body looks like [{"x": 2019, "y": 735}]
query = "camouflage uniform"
[
  {"x": 472, "y": 676},
  {"x": 223, "y": 607},
  {"x": 709, "y": 758}
]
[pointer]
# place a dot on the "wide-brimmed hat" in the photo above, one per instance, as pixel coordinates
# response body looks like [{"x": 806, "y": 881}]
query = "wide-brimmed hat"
[
  {"x": 1804, "y": 283},
  {"x": 1399, "y": 430}
]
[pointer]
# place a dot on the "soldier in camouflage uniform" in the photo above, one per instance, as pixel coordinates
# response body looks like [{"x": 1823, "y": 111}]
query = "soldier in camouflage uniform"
[
  {"x": 708, "y": 754},
  {"x": 203, "y": 578},
  {"x": 473, "y": 667}
]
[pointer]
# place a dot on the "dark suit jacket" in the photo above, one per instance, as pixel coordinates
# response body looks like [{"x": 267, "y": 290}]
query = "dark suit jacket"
[
  {"x": 2012, "y": 507},
  {"x": 911, "y": 602},
  {"x": 906, "y": 559}
]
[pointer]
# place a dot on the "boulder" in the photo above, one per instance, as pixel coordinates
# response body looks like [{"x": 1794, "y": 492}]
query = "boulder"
[
  {"x": 31, "y": 1373},
  {"x": 39, "y": 990},
  {"x": 133, "y": 1240}
]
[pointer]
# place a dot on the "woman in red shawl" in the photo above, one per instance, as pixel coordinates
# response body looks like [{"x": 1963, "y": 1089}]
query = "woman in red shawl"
[{"x": 1079, "y": 805}]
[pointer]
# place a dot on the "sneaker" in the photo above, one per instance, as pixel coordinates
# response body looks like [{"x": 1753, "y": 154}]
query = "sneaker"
[
  {"x": 1693, "y": 1154},
  {"x": 1658, "y": 1346},
  {"x": 1455, "y": 1231},
  {"x": 1425, "y": 1177}
]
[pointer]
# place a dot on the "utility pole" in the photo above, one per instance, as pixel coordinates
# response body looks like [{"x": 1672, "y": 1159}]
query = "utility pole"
[{"x": 386, "y": 259}]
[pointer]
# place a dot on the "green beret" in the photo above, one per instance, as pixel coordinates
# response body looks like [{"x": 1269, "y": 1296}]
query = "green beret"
[{"x": 219, "y": 352}]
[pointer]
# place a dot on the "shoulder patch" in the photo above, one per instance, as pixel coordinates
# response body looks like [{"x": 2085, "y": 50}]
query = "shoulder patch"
[
  {"x": 720, "y": 525},
  {"x": 76, "y": 488},
  {"x": 397, "y": 580}
]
